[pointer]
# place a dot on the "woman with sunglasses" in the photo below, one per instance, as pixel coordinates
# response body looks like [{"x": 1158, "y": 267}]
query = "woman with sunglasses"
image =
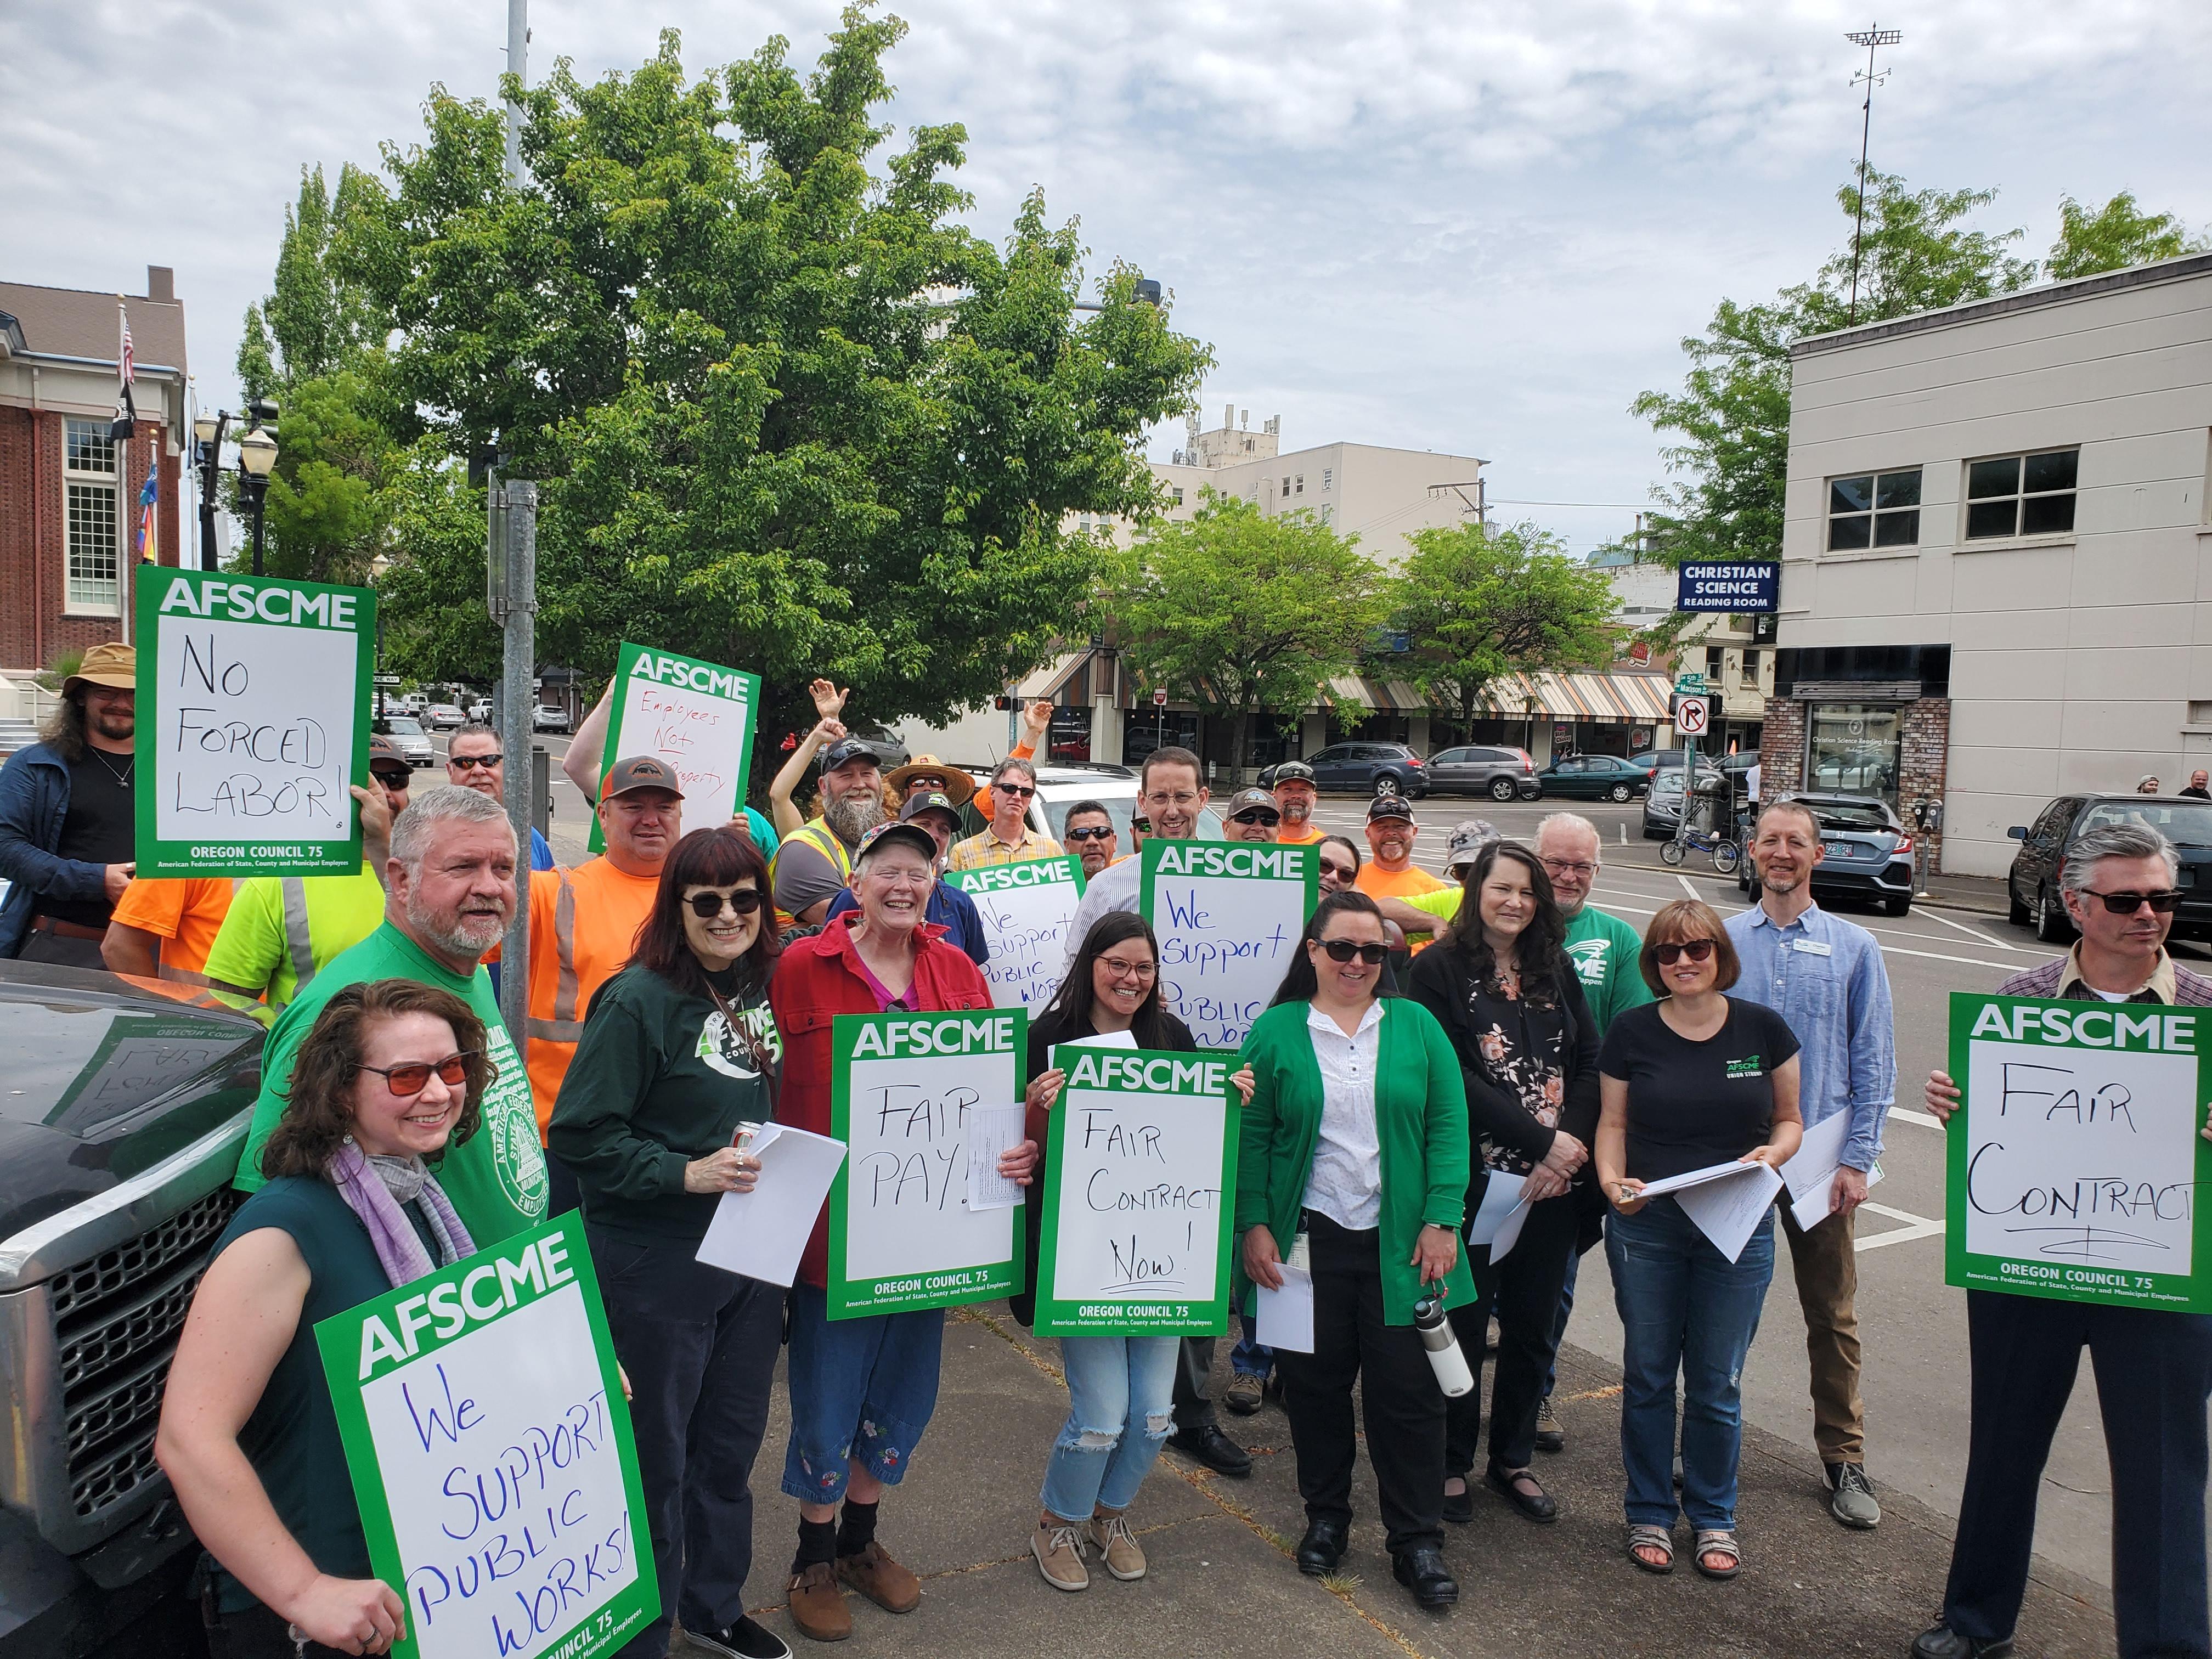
[
  {"x": 1503, "y": 988},
  {"x": 1697, "y": 1078},
  {"x": 679, "y": 1052},
  {"x": 1339, "y": 863},
  {"x": 1119, "y": 1389},
  {"x": 1354, "y": 1166},
  {"x": 391, "y": 1074}
]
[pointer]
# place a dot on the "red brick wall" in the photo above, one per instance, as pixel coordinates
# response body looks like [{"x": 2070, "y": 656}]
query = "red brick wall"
[
  {"x": 1923, "y": 741},
  {"x": 1782, "y": 747}
]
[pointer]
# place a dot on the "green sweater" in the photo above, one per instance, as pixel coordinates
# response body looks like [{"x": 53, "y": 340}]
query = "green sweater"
[
  {"x": 1420, "y": 1123},
  {"x": 659, "y": 1080},
  {"x": 1605, "y": 950}
]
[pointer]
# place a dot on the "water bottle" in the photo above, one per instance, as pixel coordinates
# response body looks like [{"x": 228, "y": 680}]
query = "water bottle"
[{"x": 1443, "y": 1344}]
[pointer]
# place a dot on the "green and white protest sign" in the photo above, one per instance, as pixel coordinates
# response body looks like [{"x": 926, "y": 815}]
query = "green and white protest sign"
[
  {"x": 492, "y": 1457},
  {"x": 252, "y": 699},
  {"x": 1026, "y": 909},
  {"x": 697, "y": 716},
  {"x": 1228, "y": 914},
  {"x": 1139, "y": 1184},
  {"x": 917, "y": 1099},
  {"x": 2074, "y": 1157}
]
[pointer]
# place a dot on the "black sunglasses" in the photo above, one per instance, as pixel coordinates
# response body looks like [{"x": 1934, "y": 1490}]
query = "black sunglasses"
[
  {"x": 413, "y": 1078},
  {"x": 1020, "y": 791},
  {"x": 1257, "y": 815},
  {"x": 1103, "y": 833},
  {"x": 1696, "y": 949},
  {"x": 744, "y": 901},
  {"x": 2126, "y": 904},
  {"x": 1142, "y": 826},
  {"x": 1343, "y": 949},
  {"x": 464, "y": 762},
  {"x": 391, "y": 777}
]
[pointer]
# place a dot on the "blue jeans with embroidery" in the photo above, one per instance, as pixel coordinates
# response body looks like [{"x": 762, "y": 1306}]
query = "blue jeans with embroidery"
[
  {"x": 1120, "y": 1399},
  {"x": 1684, "y": 1306},
  {"x": 861, "y": 1390}
]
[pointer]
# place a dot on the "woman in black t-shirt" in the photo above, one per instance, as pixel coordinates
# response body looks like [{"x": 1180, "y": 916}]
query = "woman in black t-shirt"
[{"x": 1695, "y": 1079}]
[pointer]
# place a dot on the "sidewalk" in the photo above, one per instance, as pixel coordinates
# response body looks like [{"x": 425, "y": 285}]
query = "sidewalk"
[{"x": 1222, "y": 1583}]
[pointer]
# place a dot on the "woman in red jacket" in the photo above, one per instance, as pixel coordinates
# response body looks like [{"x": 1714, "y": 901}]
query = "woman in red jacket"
[{"x": 861, "y": 1389}]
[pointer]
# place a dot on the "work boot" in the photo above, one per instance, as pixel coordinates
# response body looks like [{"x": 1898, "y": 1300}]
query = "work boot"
[
  {"x": 1551, "y": 1436},
  {"x": 817, "y": 1608},
  {"x": 1057, "y": 1547},
  {"x": 1244, "y": 1393},
  {"x": 1944, "y": 1643},
  {"x": 1117, "y": 1545},
  {"x": 1853, "y": 1501},
  {"x": 881, "y": 1579}
]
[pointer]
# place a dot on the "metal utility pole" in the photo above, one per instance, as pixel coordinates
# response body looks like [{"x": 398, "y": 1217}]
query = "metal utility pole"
[
  {"x": 518, "y": 65},
  {"x": 1868, "y": 38},
  {"x": 512, "y": 549}
]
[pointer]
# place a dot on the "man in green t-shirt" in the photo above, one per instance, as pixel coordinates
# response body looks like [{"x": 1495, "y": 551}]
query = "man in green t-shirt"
[{"x": 451, "y": 892}]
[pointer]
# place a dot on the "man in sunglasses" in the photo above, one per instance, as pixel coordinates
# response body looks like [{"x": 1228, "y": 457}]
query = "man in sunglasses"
[
  {"x": 1009, "y": 839},
  {"x": 1253, "y": 816},
  {"x": 1296, "y": 795},
  {"x": 475, "y": 761},
  {"x": 1091, "y": 837},
  {"x": 1825, "y": 976},
  {"x": 2154, "y": 1368}
]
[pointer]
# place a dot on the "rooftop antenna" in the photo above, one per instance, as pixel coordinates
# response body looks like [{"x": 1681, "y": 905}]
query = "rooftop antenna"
[{"x": 1870, "y": 38}]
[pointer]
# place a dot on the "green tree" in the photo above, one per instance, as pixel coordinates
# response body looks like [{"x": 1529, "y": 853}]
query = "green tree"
[
  {"x": 786, "y": 409},
  {"x": 1477, "y": 605},
  {"x": 2114, "y": 236},
  {"x": 1732, "y": 414},
  {"x": 1241, "y": 610},
  {"x": 312, "y": 322}
]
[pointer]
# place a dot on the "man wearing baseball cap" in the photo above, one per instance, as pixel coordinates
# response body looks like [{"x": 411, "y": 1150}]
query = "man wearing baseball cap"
[
  {"x": 1251, "y": 815},
  {"x": 1391, "y": 872},
  {"x": 69, "y": 816},
  {"x": 812, "y": 866},
  {"x": 583, "y": 923},
  {"x": 949, "y": 908},
  {"x": 1296, "y": 797}
]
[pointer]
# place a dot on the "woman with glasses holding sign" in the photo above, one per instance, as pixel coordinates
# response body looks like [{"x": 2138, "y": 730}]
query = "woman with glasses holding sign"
[
  {"x": 1354, "y": 1166},
  {"x": 1120, "y": 1388},
  {"x": 679, "y": 1054},
  {"x": 1500, "y": 983},
  {"x": 1697, "y": 1078},
  {"x": 390, "y": 1076}
]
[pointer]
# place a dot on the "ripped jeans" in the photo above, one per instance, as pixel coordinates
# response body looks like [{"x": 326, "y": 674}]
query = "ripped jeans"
[
  {"x": 1120, "y": 1392},
  {"x": 1684, "y": 1306}
]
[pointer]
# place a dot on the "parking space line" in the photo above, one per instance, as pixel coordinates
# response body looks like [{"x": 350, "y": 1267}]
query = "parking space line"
[
  {"x": 1687, "y": 888},
  {"x": 1916, "y": 1227},
  {"x": 1973, "y": 932}
]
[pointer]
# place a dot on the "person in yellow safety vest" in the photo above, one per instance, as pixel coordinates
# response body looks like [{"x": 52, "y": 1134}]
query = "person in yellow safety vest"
[
  {"x": 280, "y": 930},
  {"x": 583, "y": 924},
  {"x": 816, "y": 859}
]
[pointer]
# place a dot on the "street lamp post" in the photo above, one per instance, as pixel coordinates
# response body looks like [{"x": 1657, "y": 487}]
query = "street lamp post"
[
  {"x": 208, "y": 430},
  {"x": 257, "y": 458}
]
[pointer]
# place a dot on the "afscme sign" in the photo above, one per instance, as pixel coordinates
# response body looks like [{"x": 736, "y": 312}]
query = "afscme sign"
[{"x": 1749, "y": 587}]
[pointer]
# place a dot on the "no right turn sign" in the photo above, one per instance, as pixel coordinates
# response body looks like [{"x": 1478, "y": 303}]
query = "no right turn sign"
[{"x": 1690, "y": 714}]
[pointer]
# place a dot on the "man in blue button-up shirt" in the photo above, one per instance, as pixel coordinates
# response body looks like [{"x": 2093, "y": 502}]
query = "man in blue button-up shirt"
[{"x": 1825, "y": 976}]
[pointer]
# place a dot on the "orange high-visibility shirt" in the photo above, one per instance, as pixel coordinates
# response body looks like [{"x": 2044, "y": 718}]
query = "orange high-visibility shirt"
[{"x": 583, "y": 923}]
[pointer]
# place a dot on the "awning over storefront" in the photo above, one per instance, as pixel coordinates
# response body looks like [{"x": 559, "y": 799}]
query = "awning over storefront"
[
  {"x": 1383, "y": 696},
  {"x": 1047, "y": 681},
  {"x": 1617, "y": 694}
]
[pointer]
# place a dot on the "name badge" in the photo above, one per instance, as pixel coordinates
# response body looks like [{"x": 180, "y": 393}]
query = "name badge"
[{"x": 1811, "y": 947}]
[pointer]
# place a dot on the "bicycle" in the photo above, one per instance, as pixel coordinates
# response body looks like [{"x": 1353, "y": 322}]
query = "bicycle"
[{"x": 1725, "y": 854}]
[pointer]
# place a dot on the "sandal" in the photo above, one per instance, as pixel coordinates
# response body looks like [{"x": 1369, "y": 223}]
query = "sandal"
[
  {"x": 1652, "y": 1538},
  {"x": 1719, "y": 1543}
]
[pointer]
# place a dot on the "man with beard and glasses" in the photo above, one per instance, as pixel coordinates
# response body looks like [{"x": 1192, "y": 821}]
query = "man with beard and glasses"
[
  {"x": 816, "y": 860},
  {"x": 1296, "y": 796},
  {"x": 450, "y": 887},
  {"x": 69, "y": 816}
]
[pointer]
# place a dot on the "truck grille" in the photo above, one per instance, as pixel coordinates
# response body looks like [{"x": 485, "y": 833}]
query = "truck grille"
[{"x": 116, "y": 1321}]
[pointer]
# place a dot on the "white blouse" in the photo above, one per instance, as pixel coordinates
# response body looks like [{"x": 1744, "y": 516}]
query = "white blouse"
[{"x": 1346, "y": 1182}]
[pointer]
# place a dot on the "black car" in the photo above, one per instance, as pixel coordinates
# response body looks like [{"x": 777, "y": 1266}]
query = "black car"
[
  {"x": 1595, "y": 777},
  {"x": 1868, "y": 853},
  {"x": 1366, "y": 768},
  {"x": 2032, "y": 884}
]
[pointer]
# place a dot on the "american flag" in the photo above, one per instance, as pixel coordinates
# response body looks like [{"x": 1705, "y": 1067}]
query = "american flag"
[{"x": 122, "y": 313}]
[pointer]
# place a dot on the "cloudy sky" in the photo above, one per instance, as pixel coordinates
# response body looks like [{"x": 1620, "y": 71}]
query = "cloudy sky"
[{"x": 1475, "y": 228}]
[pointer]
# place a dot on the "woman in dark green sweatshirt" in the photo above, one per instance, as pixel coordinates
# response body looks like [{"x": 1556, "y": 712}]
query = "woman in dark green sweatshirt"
[{"x": 678, "y": 1051}]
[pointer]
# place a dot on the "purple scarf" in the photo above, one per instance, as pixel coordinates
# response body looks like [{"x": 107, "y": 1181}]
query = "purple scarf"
[{"x": 399, "y": 1247}]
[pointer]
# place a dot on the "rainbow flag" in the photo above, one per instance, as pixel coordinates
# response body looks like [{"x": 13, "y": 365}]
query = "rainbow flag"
[{"x": 149, "y": 528}]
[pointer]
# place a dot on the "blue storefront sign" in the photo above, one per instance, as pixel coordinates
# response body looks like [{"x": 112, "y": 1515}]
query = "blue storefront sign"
[{"x": 1747, "y": 587}]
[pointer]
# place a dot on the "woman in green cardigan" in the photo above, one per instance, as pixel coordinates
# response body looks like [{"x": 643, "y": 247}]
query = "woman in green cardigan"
[{"x": 1355, "y": 1149}]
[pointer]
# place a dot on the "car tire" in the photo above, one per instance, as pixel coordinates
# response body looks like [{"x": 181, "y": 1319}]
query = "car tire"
[
  {"x": 1896, "y": 906},
  {"x": 1502, "y": 789},
  {"x": 1385, "y": 783},
  {"x": 2051, "y": 926},
  {"x": 2015, "y": 912},
  {"x": 1532, "y": 792},
  {"x": 1754, "y": 889},
  {"x": 1620, "y": 792}
]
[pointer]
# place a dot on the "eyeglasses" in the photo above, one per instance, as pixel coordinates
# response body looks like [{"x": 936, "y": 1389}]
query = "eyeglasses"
[
  {"x": 1118, "y": 969},
  {"x": 1104, "y": 832},
  {"x": 2126, "y": 904},
  {"x": 1343, "y": 949},
  {"x": 922, "y": 786},
  {"x": 1258, "y": 814},
  {"x": 743, "y": 902},
  {"x": 1019, "y": 791},
  {"x": 1566, "y": 867},
  {"x": 464, "y": 762},
  {"x": 410, "y": 1079},
  {"x": 1696, "y": 949},
  {"x": 1181, "y": 797}
]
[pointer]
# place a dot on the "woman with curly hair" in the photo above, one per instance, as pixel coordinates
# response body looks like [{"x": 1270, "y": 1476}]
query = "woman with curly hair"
[{"x": 391, "y": 1075}]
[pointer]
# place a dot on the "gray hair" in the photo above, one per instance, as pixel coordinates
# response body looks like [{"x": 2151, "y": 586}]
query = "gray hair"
[
  {"x": 473, "y": 729},
  {"x": 2116, "y": 841},
  {"x": 447, "y": 803},
  {"x": 1574, "y": 821},
  {"x": 1016, "y": 765}
]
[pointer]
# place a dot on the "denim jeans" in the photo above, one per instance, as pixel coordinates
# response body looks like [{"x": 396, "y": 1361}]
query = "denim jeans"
[
  {"x": 1684, "y": 1306},
  {"x": 1248, "y": 1357},
  {"x": 1119, "y": 1390},
  {"x": 862, "y": 1390}
]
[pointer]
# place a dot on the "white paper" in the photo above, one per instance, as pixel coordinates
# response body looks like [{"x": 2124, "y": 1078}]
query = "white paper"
[
  {"x": 1103, "y": 1040},
  {"x": 1286, "y": 1316},
  {"x": 762, "y": 1233},
  {"x": 1695, "y": 1177},
  {"x": 1498, "y": 1220},
  {"x": 703, "y": 736},
  {"x": 1810, "y": 1172},
  {"x": 906, "y": 1214},
  {"x": 992, "y": 1130},
  {"x": 1728, "y": 1209}
]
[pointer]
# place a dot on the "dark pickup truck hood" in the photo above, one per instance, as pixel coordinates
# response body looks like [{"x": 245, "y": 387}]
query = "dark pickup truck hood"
[{"x": 102, "y": 1077}]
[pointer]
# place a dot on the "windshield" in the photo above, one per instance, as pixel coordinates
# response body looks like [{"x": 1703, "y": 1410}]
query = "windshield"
[
  {"x": 1120, "y": 807},
  {"x": 2189, "y": 824},
  {"x": 1851, "y": 817},
  {"x": 404, "y": 726}
]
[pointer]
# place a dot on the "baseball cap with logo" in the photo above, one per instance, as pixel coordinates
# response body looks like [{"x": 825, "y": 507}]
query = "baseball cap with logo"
[
  {"x": 1246, "y": 800},
  {"x": 1388, "y": 806},
  {"x": 1467, "y": 839},
  {"x": 641, "y": 772},
  {"x": 1293, "y": 771},
  {"x": 844, "y": 752},
  {"x": 930, "y": 800},
  {"x": 903, "y": 835}
]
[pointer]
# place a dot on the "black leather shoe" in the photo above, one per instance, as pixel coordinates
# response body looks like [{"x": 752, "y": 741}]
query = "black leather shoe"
[
  {"x": 1321, "y": 1548},
  {"x": 1541, "y": 1507},
  {"x": 1215, "y": 1450},
  {"x": 1421, "y": 1569},
  {"x": 1944, "y": 1643},
  {"x": 1458, "y": 1506}
]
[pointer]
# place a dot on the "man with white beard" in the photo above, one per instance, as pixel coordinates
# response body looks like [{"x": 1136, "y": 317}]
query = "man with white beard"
[{"x": 815, "y": 860}]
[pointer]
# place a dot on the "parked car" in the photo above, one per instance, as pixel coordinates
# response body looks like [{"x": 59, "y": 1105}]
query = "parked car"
[
  {"x": 1868, "y": 853},
  {"x": 122, "y": 1122},
  {"x": 1060, "y": 788},
  {"x": 1493, "y": 770},
  {"x": 442, "y": 717},
  {"x": 2032, "y": 884},
  {"x": 407, "y": 737},
  {"x": 415, "y": 702},
  {"x": 1594, "y": 777},
  {"x": 480, "y": 709},
  {"x": 1658, "y": 760},
  {"x": 1368, "y": 768},
  {"x": 889, "y": 748},
  {"x": 547, "y": 717},
  {"x": 1663, "y": 804}
]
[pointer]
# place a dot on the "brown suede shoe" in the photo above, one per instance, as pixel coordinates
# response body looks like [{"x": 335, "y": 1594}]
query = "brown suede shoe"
[
  {"x": 881, "y": 1579},
  {"x": 817, "y": 1608}
]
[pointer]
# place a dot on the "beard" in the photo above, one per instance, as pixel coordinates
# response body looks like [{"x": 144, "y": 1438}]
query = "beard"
[
  {"x": 1296, "y": 811},
  {"x": 458, "y": 935},
  {"x": 852, "y": 816}
]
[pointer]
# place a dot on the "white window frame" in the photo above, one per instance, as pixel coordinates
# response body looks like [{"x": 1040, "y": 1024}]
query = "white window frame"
[{"x": 89, "y": 501}]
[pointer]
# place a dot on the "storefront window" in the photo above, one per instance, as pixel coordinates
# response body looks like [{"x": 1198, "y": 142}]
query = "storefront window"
[{"x": 1853, "y": 748}]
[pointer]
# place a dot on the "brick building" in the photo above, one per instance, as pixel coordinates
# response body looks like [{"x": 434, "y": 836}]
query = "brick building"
[{"x": 69, "y": 493}]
